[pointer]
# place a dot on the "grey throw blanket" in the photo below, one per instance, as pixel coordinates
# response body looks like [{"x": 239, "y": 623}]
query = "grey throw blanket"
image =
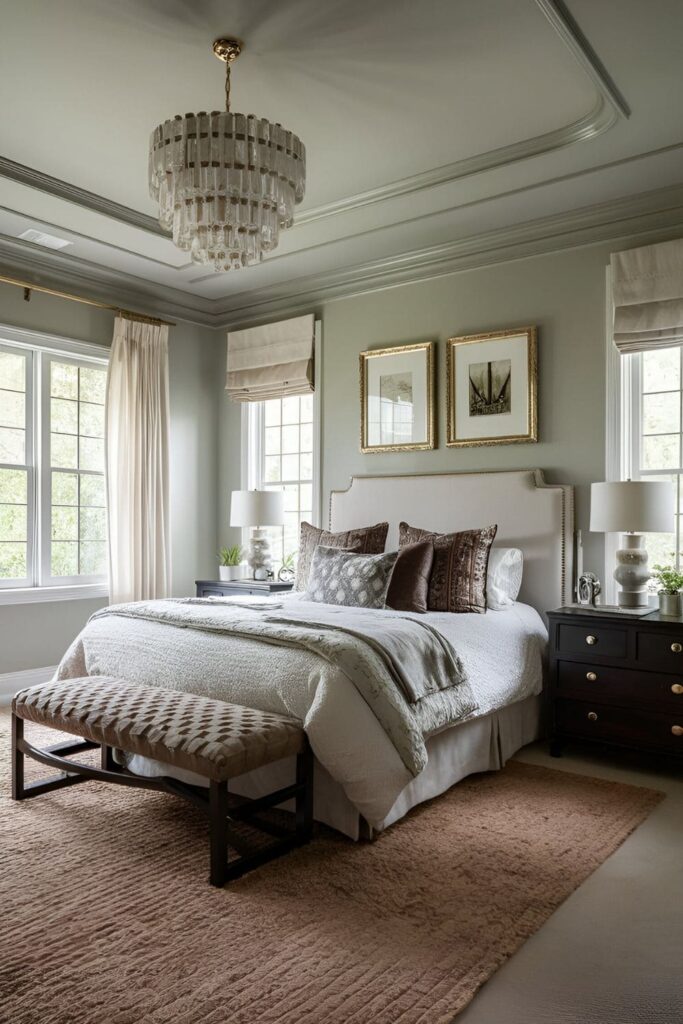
[{"x": 393, "y": 661}]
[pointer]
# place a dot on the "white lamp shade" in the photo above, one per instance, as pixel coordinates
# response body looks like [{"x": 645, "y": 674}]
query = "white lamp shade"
[
  {"x": 632, "y": 506},
  {"x": 257, "y": 508}
]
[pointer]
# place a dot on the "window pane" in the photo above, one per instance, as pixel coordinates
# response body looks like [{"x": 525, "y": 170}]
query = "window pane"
[
  {"x": 93, "y": 385},
  {"x": 306, "y": 437},
  {"x": 306, "y": 499},
  {"x": 306, "y": 408},
  {"x": 63, "y": 380},
  {"x": 93, "y": 491},
  {"x": 661, "y": 370},
  {"x": 290, "y": 439},
  {"x": 64, "y": 488},
  {"x": 290, "y": 467},
  {"x": 64, "y": 558},
  {"x": 91, "y": 419},
  {"x": 63, "y": 416},
  {"x": 272, "y": 412},
  {"x": 662, "y": 412},
  {"x": 92, "y": 454},
  {"x": 306, "y": 467},
  {"x": 291, "y": 498},
  {"x": 290, "y": 409},
  {"x": 12, "y": 409},
  {"x": 64, "y": 451},
  {"x": 661, "y": 548},
  {"x": 13, "y": 486},
  {"x": 93, "y": 524},
  {"x": 93, "y": 558},
  {"x": 64, "y": 523},
  {"x": 13, "y": 522},
  {"x": 13, "y": 562},
  {"x": 272, "y": 440},
  {"x": 12, "y": 371},
  {"x": 660, "y": 451},
  {"x": 12, "y": 445},
  {"x": 271, "y": 468}
]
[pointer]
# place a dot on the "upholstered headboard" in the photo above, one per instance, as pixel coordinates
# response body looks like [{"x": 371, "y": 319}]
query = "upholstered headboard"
[{"x": 531, "y": 514}]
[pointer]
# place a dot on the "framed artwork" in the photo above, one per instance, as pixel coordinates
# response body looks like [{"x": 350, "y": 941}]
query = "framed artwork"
[
  {"x": 397, "y": 398},
  {"x": 491, "y": 388}
]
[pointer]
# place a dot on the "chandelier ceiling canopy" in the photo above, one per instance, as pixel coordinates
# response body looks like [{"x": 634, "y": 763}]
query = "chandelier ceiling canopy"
[{"x": 225, "y": 183}]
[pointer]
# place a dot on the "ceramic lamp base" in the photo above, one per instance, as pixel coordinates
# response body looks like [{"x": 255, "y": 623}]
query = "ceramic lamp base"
[
  {"x": 632, "y": 572},
  {"x": 259, "y": 556}
]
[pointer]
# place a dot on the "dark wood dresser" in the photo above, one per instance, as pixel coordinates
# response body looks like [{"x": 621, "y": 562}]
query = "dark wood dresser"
[
  {"x": 231, "y": 588},
  {"x": 617, "y": 680}
]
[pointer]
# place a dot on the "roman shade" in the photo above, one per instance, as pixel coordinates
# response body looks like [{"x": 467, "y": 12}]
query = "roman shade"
[
  {"x": 271, "y": 361},
  {"x": 647, "y": 292}
]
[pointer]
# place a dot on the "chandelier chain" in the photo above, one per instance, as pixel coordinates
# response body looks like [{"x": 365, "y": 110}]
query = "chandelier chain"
[{"x": 227, "y": 86}]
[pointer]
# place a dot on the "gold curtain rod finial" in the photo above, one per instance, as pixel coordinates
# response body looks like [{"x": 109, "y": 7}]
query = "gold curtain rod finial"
[{"x": 227, "y": 49}]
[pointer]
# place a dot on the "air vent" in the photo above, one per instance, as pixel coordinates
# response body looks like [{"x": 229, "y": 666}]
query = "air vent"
[{"x": 41, "y": 238}]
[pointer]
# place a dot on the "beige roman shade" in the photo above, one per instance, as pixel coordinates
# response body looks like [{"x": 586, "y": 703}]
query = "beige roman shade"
[
  {"x": 647, "y": 292},
  {"x": 271, "y": 361}
]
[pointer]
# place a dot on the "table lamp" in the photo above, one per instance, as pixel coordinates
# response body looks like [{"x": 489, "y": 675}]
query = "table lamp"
[
  {"x": 258, "y": 509},
  {"x": 632, "y": 507}
]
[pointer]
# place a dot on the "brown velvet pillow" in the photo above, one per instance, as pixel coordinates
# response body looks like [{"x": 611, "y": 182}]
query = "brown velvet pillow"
[
  {"x": 458, "y": 579},
  {"x": 369, "y": 540},
  {"x": 409, "y": 585}
]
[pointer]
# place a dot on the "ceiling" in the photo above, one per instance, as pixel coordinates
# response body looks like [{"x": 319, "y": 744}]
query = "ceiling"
[{"x": 433, "y": 129}]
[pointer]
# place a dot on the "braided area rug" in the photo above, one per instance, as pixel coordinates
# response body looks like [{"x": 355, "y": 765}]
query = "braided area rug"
[{"x": 107, "y": 915}]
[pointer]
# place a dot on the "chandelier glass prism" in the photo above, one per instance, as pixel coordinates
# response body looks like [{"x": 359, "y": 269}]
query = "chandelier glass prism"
[{"x": 225, "y": 183}]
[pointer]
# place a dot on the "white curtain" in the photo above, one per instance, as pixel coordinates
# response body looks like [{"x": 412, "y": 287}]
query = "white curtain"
[
  {"x": 647, "y": 292},
  {"x": 137, "y": 429},
  {"x": 271, "y": 361}
]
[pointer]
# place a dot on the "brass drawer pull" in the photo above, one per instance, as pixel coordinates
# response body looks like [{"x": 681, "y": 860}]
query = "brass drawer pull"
[
  {"x": 590, "y": 639},
  {"x": 677, "y": 688},
  {"x": 592, "y": 717},
  {"x": 677, "y": 730},
  {"x": 676, "y": 648},
  {"x": 593, "y": 676}
]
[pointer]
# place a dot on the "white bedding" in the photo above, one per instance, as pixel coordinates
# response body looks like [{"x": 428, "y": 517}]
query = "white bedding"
[{"x": 502, "y": 653}]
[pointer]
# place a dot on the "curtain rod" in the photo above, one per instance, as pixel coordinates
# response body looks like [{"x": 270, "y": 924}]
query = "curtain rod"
[{"x": 126, "y": 313}]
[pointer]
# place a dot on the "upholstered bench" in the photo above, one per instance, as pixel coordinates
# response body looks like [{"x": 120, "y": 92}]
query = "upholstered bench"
[{"x": 212, "y": 738}]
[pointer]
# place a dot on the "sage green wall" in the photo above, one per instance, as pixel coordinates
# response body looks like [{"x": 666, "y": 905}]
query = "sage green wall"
[
  {"x": 36, "y": 635},
  {"x": 563, "y": 294}
]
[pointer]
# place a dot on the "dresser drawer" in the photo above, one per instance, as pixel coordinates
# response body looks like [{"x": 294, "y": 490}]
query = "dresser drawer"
[
  {"x": 610, "y": 724},
  {"x": 661, "y": 651},
  {"x": 598, "y": 640},
  {"x": 648, "y": 690}
]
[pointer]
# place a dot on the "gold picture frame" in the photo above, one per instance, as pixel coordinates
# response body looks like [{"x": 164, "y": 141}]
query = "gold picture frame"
[
  {"x": 492, "y": 384},
  {"x": 409, "y": 368}
]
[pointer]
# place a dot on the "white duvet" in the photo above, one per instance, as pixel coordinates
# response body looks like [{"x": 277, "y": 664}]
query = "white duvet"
[{"x": 502, "y": 654}]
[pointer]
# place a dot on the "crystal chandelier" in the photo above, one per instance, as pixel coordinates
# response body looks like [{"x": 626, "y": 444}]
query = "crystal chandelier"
[{"x": 225, "y": 183}]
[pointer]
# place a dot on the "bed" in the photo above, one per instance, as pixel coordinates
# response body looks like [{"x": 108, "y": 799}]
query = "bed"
[{"x": 364, "y": 780}]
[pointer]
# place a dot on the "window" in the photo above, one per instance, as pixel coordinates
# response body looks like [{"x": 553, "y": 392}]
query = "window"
[
  {"x": 52, "y": 491},
  {"x": 282, "y": 447},
  {"x": 652, "y": 397}
]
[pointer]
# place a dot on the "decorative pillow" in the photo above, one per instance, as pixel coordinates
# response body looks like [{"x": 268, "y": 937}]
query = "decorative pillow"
[
  {"x": 504, "y": 577},
  {"x": 458, "y": 579},
  {"x": 341, "y": 577},
  {"x": 409, "y": 584},
  {"x": 368, "y": 540}
]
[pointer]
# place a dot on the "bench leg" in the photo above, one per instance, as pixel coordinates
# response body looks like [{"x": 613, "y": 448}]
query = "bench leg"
[
  {"x": 218, "y": 826},
  {"x": 107, "y": 762},
  {"x": 304, "y": 796},
  {"x": 17, "y": 758}
]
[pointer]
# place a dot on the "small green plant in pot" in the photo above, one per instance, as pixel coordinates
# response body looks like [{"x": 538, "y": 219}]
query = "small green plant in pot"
[
  {"x": 230, "y": 564},
  {"x": 287, "y": 571},
  {"x": 670, "y": 582}
]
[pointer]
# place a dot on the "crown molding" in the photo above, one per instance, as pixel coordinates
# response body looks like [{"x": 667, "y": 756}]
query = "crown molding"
[{"x": 655, "y": 211}]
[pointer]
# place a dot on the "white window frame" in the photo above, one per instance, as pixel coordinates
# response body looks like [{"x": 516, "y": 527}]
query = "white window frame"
[
  {"x": 252, "y": 439},
  {"x": 39, "y": 586}
]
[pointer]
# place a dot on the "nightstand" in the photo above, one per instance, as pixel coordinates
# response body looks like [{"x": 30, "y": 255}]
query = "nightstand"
[
  {"x": 231, "y": 588},
  {"x": 616, "y": 679}
]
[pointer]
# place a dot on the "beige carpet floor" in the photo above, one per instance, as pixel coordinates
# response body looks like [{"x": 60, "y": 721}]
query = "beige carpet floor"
[{"x": 106, "y": 915}]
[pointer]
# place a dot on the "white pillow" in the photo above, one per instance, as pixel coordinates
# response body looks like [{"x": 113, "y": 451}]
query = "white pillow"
[{"x": 504, "y": 578}]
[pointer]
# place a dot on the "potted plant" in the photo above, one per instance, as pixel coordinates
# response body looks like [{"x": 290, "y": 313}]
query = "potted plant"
[
  {"x": 287, "y": 571},
  {"x": 670, "y": 582},
  {"x": 230, "y": 567}
]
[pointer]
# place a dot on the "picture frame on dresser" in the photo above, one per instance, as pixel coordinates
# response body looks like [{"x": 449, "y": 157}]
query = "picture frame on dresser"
[
  {"x": 397, "y": 398},
  {"x": 616, "y": 680},
  {"x": 491, "y": 388}
]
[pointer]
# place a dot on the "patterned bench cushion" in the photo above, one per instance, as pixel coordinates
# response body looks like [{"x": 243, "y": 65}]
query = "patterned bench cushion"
[{"x": 211, "y": 737}]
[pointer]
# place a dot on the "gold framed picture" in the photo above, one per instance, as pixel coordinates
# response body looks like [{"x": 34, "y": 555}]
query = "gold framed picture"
[
  {"x": 491, "y": 384},
  {"x": 397, "y": 398}
]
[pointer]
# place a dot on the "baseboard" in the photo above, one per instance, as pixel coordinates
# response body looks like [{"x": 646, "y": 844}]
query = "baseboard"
[{"x": 10, "y": 682}]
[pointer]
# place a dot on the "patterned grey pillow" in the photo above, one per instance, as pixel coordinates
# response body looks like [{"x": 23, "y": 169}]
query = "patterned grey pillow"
[{"x": 342, "y": 577}]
